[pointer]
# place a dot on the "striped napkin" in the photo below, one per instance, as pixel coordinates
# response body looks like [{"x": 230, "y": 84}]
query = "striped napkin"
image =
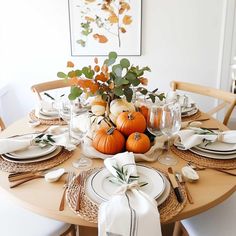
[{"x": 130, "y": 211}]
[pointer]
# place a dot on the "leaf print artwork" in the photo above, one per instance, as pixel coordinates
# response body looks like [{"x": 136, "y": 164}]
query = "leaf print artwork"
[{"x": 105, "y": 25}]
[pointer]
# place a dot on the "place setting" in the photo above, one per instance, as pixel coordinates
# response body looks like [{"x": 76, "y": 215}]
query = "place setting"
[
  {"x": 208, "y": 148},
  {"x": 49, "y": 112},
  {"x": 91, "y": 188},
  {"x": 34, "y": 152}
]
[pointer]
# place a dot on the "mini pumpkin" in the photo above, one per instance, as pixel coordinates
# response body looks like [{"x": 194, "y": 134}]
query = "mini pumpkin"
[
  {"x": 108, "y": 141},
  {"x": 118, "y": 106},
  {"x": 138, "y": 143},
  {"x": 98, "y": 106},
  {"x": 130, "y": 122}
]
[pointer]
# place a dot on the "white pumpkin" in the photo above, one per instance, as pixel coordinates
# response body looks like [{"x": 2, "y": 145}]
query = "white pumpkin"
[
  {"x": 97, "y": 122},
  {"x": 98, "y": 106},
  {"x": 118, "y": 106}
]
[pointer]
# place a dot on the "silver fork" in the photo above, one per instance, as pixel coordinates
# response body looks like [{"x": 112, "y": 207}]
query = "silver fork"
[
  {"x": 82, "y": 179},
  {"x": 70, "y": 176}
]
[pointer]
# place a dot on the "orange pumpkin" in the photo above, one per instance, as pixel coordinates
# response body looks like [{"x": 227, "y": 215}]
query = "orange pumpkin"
[
  {"x": 144, "y": 111},
  {"x": 130, "y": 122},
  {"x": 138, "y": 143},
  {"x": 109, "y": 141}
]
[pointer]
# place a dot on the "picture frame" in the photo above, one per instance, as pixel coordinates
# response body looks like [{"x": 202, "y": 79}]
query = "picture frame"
[{"x": 100, "y": 26}]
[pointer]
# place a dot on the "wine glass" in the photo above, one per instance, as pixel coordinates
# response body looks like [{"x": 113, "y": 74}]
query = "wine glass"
[
  {"x": 80, "y": 125},
  {"x": 154, "y": 119},
  {"x": 170, "y": 124}
]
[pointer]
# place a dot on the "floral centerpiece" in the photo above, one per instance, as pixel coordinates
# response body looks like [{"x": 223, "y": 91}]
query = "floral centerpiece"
[{"x": 114, "y": 85}]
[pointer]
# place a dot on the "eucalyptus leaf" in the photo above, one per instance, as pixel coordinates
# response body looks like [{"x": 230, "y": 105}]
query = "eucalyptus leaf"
[
  {"x": 124, "y": 63},
  {"x": 112, "y": 55},
  {"x": 128, "y": 92},
  {"x": 61, "y": 75},
  {"x": 117, "y": 70},
  {"x": 118, "y": 91},
  {"x": 75, "y": 92}
]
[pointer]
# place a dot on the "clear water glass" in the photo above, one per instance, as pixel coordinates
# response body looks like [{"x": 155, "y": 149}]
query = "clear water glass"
[
  {"x": 170, "y": 124},
  {"x": 154, "y": 119}
]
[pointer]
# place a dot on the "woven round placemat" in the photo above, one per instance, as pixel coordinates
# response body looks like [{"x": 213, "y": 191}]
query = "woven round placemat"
[
  {"x": 192, "y": 117},
  {"x": 46, "y": 122},
  {"x": 36, "y": 166},
  {"x": 204, "y": 161},
  {"x": 89, "y": 209}
]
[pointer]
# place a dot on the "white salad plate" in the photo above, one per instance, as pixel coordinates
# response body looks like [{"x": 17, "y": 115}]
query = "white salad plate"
[
  {"x": 217, "y": 147},
  {"x": 33, "y": 151},
  {"x": 32, "y": 160},
  {"x": 221, "y": 156}
]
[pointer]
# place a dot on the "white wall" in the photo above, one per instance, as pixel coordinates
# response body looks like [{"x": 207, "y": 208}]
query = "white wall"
[{"x": 181, "y": 41}]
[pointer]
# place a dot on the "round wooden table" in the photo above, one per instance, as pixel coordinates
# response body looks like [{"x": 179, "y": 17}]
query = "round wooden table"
[{"x": 44, "y": 198}]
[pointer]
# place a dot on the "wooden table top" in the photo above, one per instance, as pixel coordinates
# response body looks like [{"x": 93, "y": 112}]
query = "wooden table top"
[{"x": 44, "y": 198}]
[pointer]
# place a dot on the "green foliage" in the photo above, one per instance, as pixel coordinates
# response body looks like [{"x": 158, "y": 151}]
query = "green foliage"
[{"x": 119, "y": 79}]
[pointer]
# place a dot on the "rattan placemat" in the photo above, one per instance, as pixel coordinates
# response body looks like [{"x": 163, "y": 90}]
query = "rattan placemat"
[
  {"x": 89, "y": 209},
  {"x": 36, "y": 166},
  {"x": 204, "y": 161},
  {"x": 192, "y": 117},
  {"x": 46, "y": 122}
]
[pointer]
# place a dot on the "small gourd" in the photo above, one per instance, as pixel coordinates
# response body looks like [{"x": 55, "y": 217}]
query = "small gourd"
[
  {"x": 130, "y": 122},
  {"x": 98, "y": 106},
  {"x": 118, "y": 106},
  {"x": 109, "y": 141},
  {"x": 138, "y": 143}
]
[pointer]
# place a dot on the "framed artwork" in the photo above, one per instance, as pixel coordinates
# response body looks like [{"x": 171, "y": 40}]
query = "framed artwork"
[{"x": 100, "y": 26}]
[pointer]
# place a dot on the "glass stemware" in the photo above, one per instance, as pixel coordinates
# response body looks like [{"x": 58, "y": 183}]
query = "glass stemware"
[
  {"x": 170, "y": 124},
  {"x": 154, "y": 119}
]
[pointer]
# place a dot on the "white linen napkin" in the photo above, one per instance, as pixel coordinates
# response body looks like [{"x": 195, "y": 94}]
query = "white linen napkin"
[
  {"x": 130, "y": 211},
  {"x": 18, "y": 143},
  {"x": 194, "y": 136}
]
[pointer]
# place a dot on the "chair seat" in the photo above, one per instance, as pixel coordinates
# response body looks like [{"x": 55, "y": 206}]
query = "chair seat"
[
  {"x": 15, "y": 220},
  {"x": 217, "y": 221}
]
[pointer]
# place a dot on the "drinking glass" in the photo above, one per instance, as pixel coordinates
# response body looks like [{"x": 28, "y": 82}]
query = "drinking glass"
[
  {"x": 79, "y": 126},
  {"x": 154, "y": 119},
  {"x": 170, "y": 124}
]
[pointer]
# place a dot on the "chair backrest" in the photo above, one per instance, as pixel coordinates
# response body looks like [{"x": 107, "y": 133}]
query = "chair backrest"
[
  {"x": 2, "y": 125},
  {"x": 228, "y": 98},
  {"x": 50, "y": 85}
]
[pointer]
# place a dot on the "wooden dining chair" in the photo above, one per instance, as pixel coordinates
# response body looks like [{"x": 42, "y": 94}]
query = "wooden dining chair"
[
  {"x": 2, "y": 125},
  {"x": 228, "y": 99},
  {"x": 50, "y": 85},
  {"x": 217, "y": 221}
]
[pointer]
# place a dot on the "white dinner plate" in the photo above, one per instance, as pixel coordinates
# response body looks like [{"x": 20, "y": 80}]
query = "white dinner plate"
[
  {"x": 95, "y": 198},
  {"x": 188, "y": 108},
  {"x": 32, "y": 152},
  {"x": 41, "y": 116},
  {"x": 103, "y": 188},
  {"x": 38, "y": 159},
  {"x": 190, "y": 113},
  {"x": 213, "y": 155},
  {"x": 217, "y": 147},
  {"x": 53, "y": 113}
]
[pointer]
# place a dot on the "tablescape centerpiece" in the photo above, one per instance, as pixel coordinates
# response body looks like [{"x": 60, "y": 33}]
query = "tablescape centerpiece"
[{"x": 117, "y": 124}]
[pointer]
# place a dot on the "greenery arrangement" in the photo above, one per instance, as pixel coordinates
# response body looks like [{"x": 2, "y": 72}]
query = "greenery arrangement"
[
  {"x": 124, "y": 178},
  {"x": 44, "y": 140},
  {"x": 114, "y": 79}
]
